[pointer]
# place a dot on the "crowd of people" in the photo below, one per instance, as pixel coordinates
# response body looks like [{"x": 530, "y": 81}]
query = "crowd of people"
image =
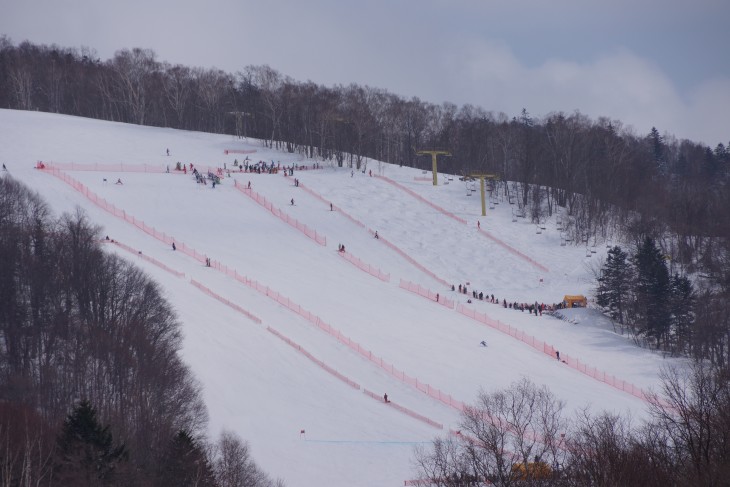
[{"x": 537, "y": 308}]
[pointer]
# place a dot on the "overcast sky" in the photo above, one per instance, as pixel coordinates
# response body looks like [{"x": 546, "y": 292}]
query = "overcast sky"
[{"x": 663, "y": 63}]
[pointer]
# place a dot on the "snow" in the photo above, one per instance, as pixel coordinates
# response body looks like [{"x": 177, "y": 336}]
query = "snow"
[{"x": 265, "y": 390}]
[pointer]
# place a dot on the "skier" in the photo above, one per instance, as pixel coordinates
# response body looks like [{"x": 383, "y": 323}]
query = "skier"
[
  {"x": 119, "y": 181},
  {"x": 437, "y": 297},
  {"x": 557, "y": 355},
  {"x": 376, "y": 234},
  {"x": 331, "y": 207},
  {"x": 168, "y": 152},
  {"x": 479, "y": 225},
  {"x": 173, "y": 246},
  {"x": 385, "y": 397},
  {"x": 249, "y": 185},
  {"x": 483, "y": 343},
  {"x": 292, "y": 201},
  {"x": 4, "y": 168}
]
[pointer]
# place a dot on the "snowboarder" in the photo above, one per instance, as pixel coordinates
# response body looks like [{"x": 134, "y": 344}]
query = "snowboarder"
[
  {"x": 385, "y": 397},
  {"x": 483, "y": 343},
  {"x": 173, "y": 246},
  {"x": 119, "y": 181}
]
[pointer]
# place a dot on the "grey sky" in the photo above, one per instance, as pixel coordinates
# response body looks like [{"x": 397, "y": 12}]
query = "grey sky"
[{"x": 662, "y": 63}]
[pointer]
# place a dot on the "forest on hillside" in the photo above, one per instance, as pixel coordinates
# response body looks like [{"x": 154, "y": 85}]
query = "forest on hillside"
[
  {"x": 601, "y": 178},
  {"x": 92, "y": 388}
]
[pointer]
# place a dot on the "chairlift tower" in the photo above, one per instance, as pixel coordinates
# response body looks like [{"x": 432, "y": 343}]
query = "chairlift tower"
[
  {"x": 434, "y": 153},
  {"x": 481, "y": 177}
]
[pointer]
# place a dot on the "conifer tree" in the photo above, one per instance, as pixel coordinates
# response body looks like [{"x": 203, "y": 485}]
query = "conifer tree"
[
  {"x": 652, "y": 291},
  {"x": 87, "y": 455},
  {"x": 681, "y": 307},
  {"x": 614, "y": 285},
  {"x": 186, "y": 464}
]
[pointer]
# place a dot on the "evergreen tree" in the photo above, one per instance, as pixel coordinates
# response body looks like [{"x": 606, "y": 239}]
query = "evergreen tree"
[
  {"x": 185, "y": 464},
  {"x": 681, "y": 307},
  {"x": 652, "y": 291},
  {"x": 87, "y": 455},
  {"x": 614, "y": 285},
  {"x": 658, "y": 151}
]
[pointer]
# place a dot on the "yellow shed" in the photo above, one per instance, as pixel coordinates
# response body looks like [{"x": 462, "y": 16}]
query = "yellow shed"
[{"x": 577, "y": 301}]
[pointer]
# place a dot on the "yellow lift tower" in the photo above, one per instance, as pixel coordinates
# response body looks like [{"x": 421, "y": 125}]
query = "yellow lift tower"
[
  {"x": 481, "y": 178},
  {"x": 434, "y": 153}
]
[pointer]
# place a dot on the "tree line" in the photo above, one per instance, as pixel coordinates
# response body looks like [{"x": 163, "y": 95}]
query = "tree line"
[
  {"x": 521, "y": 436},
  {"x": 92, "y": 388},
  {"x": 602, "y": 179}
]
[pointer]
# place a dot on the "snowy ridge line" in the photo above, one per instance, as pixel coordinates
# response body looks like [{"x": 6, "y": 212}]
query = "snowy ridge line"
[
  {"x": 311, "y": 357},
  {"x": 372, "y": 232},
  {"x": 373, "y": 271},
  {"x": 550, "y": 351},
  {"x": 405, "y": 410},
  {"x": 105, "y": 205},
  {"x": 149, "y": 259},
  {"x": 320, "y": 239},
  {"x": 427, "y": 389},
  {"x": 421, "y": 198},
  {"x": 514, "y": 250},
  {"x": 422, "y": 291},
  {"x": 225, "y": 301}
]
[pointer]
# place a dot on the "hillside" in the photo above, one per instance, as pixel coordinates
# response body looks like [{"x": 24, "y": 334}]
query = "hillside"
[{"x": 304, "y": 423}]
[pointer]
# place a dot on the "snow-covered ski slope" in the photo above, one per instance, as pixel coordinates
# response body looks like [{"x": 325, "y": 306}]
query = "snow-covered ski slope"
[{"x": 260, "y": 386}]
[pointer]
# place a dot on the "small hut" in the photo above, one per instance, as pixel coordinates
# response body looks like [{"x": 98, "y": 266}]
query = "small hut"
[{"x": 576, "y": 301}]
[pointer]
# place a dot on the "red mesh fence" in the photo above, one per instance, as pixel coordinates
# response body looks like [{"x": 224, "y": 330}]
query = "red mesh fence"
[
  {"x": 380, "y": 237},
  {"x": 334, "y": 207},
  {"x": 149, "y": 259},
  {"x": 431, "y": 391},
  {"x": 514, "y": 251},
  {"x": 225, "y": 301},
  {"x": 405, "y": 410},
  {"x": 549, "y": 350},
  {"x": 320, "y": 239},
  {"x": 123, "y": 167},
  {"x": 373, "y": 271},
  {"x": 422, "y": 199},
  {"x": 311, "y": 357},
  {"x": 422, "y": 291}
]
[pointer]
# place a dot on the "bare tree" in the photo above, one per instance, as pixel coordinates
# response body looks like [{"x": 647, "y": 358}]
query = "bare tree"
[
  {"x": 508, "y": 437},
  {"x": 133, "y": 71},
  {"x": 234, "y": 466},
  {"x": 693, "y": 414}
]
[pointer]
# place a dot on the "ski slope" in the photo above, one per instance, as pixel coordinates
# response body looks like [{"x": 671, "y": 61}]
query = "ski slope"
[{"x": 269, "y": 390}]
